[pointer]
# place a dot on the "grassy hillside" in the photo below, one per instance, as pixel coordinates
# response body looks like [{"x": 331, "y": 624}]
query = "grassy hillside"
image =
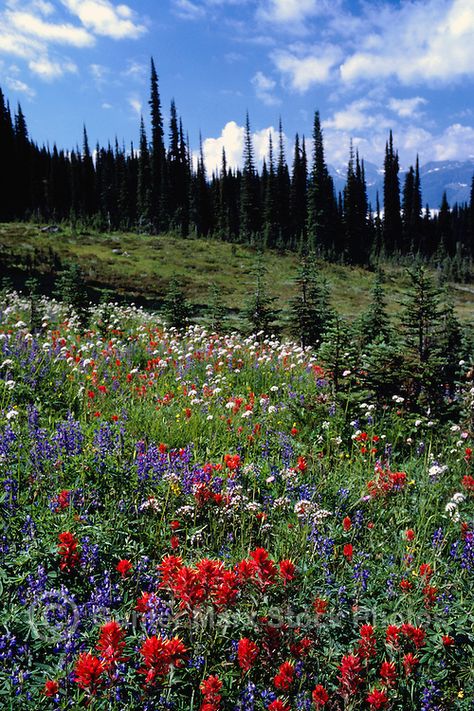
[{"x": 140, "y": 267}]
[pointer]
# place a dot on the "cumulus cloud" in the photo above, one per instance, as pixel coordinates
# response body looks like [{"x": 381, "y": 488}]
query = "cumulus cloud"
[
  {"x": 106, "y": 19},
  {"x": 305, "y": 67},
  {"x": 232, "y": 139},
  {"x": 401, "y": 43},
  {"x": 264, "y": 87}
]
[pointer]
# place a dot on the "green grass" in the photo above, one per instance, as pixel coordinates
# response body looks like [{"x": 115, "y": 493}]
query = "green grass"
[{"x": 144, "y": 265}]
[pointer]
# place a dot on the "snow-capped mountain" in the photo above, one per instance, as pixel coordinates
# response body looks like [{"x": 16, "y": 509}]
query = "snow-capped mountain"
[{"x": 454, "y": 177}]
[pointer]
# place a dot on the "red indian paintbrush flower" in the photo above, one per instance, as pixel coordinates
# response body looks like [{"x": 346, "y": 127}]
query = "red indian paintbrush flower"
[
  {"x": 67, "y": 549},
  {"x": 367, "y": 642},
  {"x": 392, "y": 635},
  {"x": 159, "y": 654},
  {"x": 278, "y": 705},
  {"x": 284, "y": 679},
  {"x": 320, "y": 696},
  {"x": 348, "y": 551},
  {"x": 124, "y": 566},
  {"x": 388, "y": 673},
  {"x": 346, "y": 523},
  {"x": 377, "y": 699},
  {"x": 88, "y": 672},
  {"x": 247, "y": 653},
  {"x": 210, "y": 689},
  {"x": 320, "y": 606},
  {"x": 350, "y": 668},
  {"x": 410, "y": 662},
  {"x": 111, "y": 644},
  {"x": 51, "y": 688},
  {"x": 287, "y": 571}
]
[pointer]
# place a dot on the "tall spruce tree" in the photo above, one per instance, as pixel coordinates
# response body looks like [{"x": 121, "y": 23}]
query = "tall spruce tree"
[
  {"x": 282, "y": 193},
  {"x": 7, "y": 164},
  {"x": 298, "y": 202},
  {"x": 355, "y": 213},
  {"x": 143, "y": 182},
  {"x": 158, "y": 214},
  {"x": 392, "y": 221},
  {"x": 249, "y": 189},
  {"x": 322, "y": 211},
  {"x": 270, "y": 199}
]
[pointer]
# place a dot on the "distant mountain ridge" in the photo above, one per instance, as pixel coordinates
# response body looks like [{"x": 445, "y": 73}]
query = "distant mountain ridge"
[{"x": 452, "y": 176}]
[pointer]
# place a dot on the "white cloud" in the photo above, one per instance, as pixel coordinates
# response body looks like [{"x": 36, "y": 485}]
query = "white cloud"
[
  {"x": 48, "y": 70},
  {"x": 264, "y": 87},
  {"x": 99, "y": 73},
  {"x": 103, "y": 18},
  {"x": 135, "y": 70},
  {"x": 402, "y": 43},
  {"x": 187, "y": 10},
  {"x": 106, "y": 105},
  {"x": 357, "y": 116},
  {"x": 26, "y": 34},
  {"x": 18, "y": 45},
  {"x": 20, "y": 87},
  {"x": 28, "y": 24},
  {"x": 407, "y": 108},
  {"x": 456, "y": 143},
  {"x": 293, "y": 14},
  {"x": 135, "y": 104},
  {"x": 232, "y": 139},
  {"x": 314, "y": 67}
]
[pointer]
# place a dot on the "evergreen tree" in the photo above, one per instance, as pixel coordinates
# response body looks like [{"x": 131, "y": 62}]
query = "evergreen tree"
[
  {"x": 249, "y": 200},
  {"x": 270, "y": 199},
  {"x": 312, "y": 314},
  {"x": 201, "y": 211},
  {"x": 70, "y": 288},
  {"x": 260, "y": 310},
  {"x": 21, "y": 167},
  {"x": 355, "y": 213},
  {"x": 176, "y": 308},
  {"x": 374, "y": 323},
  {"x": 322, "y": 210},
  {"x": 7, "y": 165},
  {"x": 392, "y": 222},
  {"x": 336, "y": 352},
  {"x": 421, "y": 326},
  {"x": 298, "y": 202},
  {"x": 444, "y": 227},
  {"x": 143, "y": 184},
  {"x": 158, "y": 186},
  {"x": 217, "y": 312},
  {"x": 282, "y": 194},
  {"x": 88, "y": 204}
]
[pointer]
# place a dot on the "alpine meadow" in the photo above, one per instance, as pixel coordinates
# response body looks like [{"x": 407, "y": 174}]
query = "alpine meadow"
[{"x": 237, "y": 376}]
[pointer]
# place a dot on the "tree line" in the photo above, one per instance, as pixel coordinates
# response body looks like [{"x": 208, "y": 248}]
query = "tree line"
[{"x": 156, "y": 187}]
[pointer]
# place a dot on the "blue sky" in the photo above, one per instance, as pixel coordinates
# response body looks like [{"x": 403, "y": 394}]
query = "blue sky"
[{"x": 367, "y": 66}]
